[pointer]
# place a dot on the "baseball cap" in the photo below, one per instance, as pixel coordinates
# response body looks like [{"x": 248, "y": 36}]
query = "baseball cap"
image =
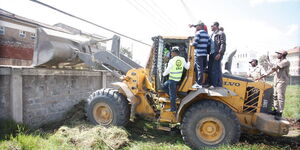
[
  {"x": 198, "y": 23},
  {"x": 176, "y": 50},
  {"x": 216, "y": 23},
  {"x": 283, "y": 52},
  {"x": 253, "y": 60}
]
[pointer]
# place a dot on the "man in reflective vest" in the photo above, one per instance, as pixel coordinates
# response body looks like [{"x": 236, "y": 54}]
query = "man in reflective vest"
[{"x": 174, "y": 70}]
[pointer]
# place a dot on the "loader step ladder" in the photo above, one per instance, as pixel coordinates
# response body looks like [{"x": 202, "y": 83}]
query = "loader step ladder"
[{"x": 167, "y": 100}]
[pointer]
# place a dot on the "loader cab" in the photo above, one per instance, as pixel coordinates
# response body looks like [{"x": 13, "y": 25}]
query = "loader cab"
[{"x": 161, "y": 54}]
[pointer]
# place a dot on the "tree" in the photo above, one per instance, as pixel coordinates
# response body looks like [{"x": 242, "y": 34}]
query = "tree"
[
  {"x": 264, "y": 61},
  {"x": 126, "y": 51}
]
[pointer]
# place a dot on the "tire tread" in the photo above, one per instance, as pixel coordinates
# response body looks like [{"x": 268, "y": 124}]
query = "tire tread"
[
  {"x": 118, "y": 100},
  {"x": 209, "y": 106}
]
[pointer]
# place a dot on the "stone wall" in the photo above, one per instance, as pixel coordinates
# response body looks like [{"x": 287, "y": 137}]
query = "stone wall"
[
  {"x": 4, "y": 96},
  {"x": 37, "y": 96}
]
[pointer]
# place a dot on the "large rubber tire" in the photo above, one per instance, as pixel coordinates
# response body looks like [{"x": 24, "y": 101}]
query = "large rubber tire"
[
  {"x": 210, "y": 124},
  {"x": 107, "y": 107}
]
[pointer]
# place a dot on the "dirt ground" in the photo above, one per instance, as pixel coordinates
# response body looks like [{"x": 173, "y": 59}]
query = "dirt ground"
[{"x": 291, "y": 140}]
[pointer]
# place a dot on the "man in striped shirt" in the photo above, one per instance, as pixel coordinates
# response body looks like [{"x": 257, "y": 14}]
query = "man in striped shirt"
[{"x": 201, "y": 44}]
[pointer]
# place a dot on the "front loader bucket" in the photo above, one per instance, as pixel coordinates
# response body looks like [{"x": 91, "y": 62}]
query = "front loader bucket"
[
  {"x": 54, "y": 48},
  {"x": 60, "y": 49}
]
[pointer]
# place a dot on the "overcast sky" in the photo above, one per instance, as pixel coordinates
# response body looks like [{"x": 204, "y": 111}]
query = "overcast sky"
[{"x": 258, "y": 25}]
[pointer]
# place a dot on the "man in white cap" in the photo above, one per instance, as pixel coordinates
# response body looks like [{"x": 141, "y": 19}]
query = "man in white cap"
[
  {"x": 201, "y": 44},
  {"x": 281, "y": 80}
]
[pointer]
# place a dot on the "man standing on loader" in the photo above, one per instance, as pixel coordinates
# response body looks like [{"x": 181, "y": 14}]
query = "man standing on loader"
[
  {"x": 281, "y": 80},
  {"x": 217, "y": 50},
  {"x": 201, "y": 44},
  {"x": 174, "y": 70}
]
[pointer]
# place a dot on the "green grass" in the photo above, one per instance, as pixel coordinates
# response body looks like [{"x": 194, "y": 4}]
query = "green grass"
[
  {"x": 9, "y": 128},
  {"x": 292, "y": 102},
  {"x": 139, "y": 135},
  {"x": 144, "y": 136}
]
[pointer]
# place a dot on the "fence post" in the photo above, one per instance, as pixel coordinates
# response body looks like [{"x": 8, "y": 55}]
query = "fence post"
[
  {"x": 104, "y": 79},
  {"x": 16, "y": 101}
]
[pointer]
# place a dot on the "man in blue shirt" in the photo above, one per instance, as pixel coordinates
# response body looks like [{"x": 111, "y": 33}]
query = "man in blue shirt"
[{"x": 201, "y": 44}]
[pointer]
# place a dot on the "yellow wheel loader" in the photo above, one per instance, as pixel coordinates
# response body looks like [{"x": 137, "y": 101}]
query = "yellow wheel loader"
[{"x": 206, "y": 117}]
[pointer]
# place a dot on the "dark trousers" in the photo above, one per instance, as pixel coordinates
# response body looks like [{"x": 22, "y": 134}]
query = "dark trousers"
[
  {"x": 200, "y": 65},
  {"x": 215, "y": 71},
  {"x": 170, "y": 88}
]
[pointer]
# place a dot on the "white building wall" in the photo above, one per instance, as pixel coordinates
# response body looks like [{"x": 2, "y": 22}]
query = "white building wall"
[
  {"x": 240, "y": 62},
  {"x": 294, "y": 59}
]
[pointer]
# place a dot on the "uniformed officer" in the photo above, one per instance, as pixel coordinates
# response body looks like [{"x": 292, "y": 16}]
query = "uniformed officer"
[
  {"x": 255, "y": 71},
  {"x": 281, "y": 80},
  {"x": 174, "y": 70}
]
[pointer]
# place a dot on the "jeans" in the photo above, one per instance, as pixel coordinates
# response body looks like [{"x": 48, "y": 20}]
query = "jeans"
[
  {"x": 215, "y": 71},
  {"x": 170, "y": 88},
  {"x": 200, "y": 65}
]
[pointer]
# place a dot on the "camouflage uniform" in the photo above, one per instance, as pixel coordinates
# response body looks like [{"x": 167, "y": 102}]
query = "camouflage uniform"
[
  {"x": 256, "y": 72},
  {"x": 281, "y": 80}
]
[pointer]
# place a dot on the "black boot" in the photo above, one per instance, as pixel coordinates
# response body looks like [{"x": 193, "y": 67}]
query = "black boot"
[
  {"x": 278, "y": 116},
  {"x": 274, "y": 112}
]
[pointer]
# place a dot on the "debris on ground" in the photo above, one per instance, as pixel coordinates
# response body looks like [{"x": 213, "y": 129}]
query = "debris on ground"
[
  {"x": 77, "y": 131},
  {"x": 295, "y": 124},
  {"x": 292, "y": 140},
  {"x": 88, "y": 136}
]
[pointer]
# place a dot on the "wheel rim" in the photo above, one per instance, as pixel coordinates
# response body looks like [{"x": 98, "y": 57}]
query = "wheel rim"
[
  {"x": 210, "y": 130},
  {"x": 102, "y": 114}
]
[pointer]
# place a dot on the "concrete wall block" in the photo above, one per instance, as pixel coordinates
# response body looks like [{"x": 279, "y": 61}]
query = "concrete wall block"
[
  {"x": 54, "y": 116},
  {"x": 47, "y": 94},
  {"x": 34, "y": 87},
  {"x": 34, "y": 106},
  {"x": 16, "y": 95},
  {"x": 110, "y": 79},
  {"x": 96, "y": 84},
  {"x": 4, "y": 81},
  {"x": 41, "y": 112},
  {"x": 4, "y": 89},
  {"x": 57, "y": 106},
  {"x": 4, "y": 96},
  {"x": 34, "y": 121}
]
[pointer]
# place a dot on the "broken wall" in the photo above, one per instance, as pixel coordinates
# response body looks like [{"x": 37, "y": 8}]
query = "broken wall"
[{"x": 37, "y": 96}]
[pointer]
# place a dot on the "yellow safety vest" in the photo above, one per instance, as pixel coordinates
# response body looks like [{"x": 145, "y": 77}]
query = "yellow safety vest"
[{"x": 177, "y": 69}]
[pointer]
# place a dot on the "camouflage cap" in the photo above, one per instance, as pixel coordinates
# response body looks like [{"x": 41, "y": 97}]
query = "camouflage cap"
[
  {"x": 283, "y": 52},
  {"x": 198, "y": 23},
  {"x": 216, "y": 24},
  {"x": 253, "y": 60}
]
